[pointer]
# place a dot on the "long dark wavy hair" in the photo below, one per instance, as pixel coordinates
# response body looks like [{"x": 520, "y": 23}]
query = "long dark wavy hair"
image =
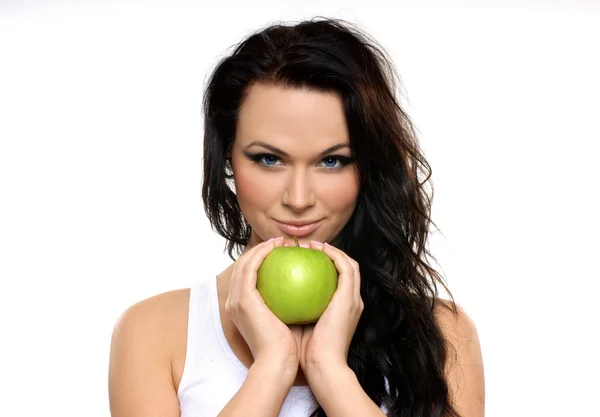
[{"x": 398, "y": 351}]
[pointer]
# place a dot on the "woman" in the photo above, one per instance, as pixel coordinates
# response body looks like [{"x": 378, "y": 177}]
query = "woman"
[{"x": 303, "y": 122}]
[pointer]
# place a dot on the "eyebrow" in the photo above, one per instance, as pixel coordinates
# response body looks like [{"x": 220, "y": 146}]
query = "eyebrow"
[{"x": 282, "y": 153}]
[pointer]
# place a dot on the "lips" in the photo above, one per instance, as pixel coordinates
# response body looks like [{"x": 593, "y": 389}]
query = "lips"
[{"x": 303, "y": 230}]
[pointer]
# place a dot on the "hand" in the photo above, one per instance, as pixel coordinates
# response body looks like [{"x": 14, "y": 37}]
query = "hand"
[
  {"x": 326, "y": 344},
  {"x": 268, "y": 338}
]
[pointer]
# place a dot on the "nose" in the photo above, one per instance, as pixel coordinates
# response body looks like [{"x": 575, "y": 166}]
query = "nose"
[{"x": 299, "y": 193}]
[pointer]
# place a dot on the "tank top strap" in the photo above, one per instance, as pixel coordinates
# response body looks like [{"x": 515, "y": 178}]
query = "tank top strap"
[{"x": 200, "y": 332}]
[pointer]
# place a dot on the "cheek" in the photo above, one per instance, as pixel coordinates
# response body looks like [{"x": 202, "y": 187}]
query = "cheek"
[
  {"x": 341, "y": 194},
  {"x": 252, "y": 193}
]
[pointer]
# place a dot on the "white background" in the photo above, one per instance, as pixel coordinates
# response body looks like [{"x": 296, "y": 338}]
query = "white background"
[{"x": 100, "y": 176}]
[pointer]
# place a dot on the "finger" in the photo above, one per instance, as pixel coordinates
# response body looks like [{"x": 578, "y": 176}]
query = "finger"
[
  {"x": 316, "y": 245},
  {"x": 255, "y": 259},
  {"x": 355, "y": 266},
  {"x": 237, "y": 274},
  {"x": 346, "y": 272},
  {"x": 297, "y": 332},
  {"x": 356, "y": 281},
  {"x": 307, "y": 331},
  {"x": 355, "y": 278},
  {"x": 355, "y": 275},
  {"x": 233, "y": 293},
  {"x": 230, "y": 295}
]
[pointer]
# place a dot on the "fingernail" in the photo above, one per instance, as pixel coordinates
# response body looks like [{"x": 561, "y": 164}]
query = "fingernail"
[{"x": 270, "y": 240}]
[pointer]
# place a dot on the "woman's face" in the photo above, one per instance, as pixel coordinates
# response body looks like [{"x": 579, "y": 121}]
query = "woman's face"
[{"x": 300, "y": 181}]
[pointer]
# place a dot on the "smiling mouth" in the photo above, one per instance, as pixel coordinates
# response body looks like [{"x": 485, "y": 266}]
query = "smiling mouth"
[{"x": 299, "y": 231}]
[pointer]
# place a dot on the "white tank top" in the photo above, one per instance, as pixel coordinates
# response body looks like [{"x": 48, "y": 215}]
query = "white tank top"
[{"x": 212, "y": 373}]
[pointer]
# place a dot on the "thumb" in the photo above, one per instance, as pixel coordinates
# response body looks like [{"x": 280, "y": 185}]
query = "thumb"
[
  {"x": 297, "y": 333},
  {"x": 307, "y": 331}
]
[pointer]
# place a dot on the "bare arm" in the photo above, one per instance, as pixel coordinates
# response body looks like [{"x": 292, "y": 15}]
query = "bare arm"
[
  {"x": 262, "y": 394},
  {"x": 340, "y": 394},
  {"x": 140, "y": 374},
  {"x": 274, "y": 346},
  {"x": 140, "y": 381},
  {"x": 140, "y": 378},
  {"x": 464, "y": 368}
]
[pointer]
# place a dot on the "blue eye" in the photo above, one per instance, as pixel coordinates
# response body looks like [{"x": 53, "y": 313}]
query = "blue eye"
[
  {"x": 331, "y": 159},
  {"x": 271, "y": 158},
  {"x": 268, "y": 160}
]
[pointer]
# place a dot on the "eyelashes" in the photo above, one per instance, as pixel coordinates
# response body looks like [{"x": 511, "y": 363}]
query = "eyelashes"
[{"x": 258, "y": 159}]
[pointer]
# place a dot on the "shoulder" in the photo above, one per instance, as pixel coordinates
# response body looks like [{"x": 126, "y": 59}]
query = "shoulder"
[
  {"x": 153, "y": 315},
  {"x": 145, "y": 338},
  {"x": 156, "y": 322},
  {"x": 458, "y": 329},
  {"x": 454, "y": 321},
  {"x": 464, "y": 364}
]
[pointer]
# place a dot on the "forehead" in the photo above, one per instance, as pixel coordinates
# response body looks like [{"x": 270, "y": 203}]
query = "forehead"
[{"x": 291, "y": 117}]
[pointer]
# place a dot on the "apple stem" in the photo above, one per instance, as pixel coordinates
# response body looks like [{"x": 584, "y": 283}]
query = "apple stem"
[{"x": 296, "y": 240}]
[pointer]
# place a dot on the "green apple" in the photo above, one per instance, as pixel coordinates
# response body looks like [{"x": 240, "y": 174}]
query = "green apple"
[{"x": 297, "y": 283}]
